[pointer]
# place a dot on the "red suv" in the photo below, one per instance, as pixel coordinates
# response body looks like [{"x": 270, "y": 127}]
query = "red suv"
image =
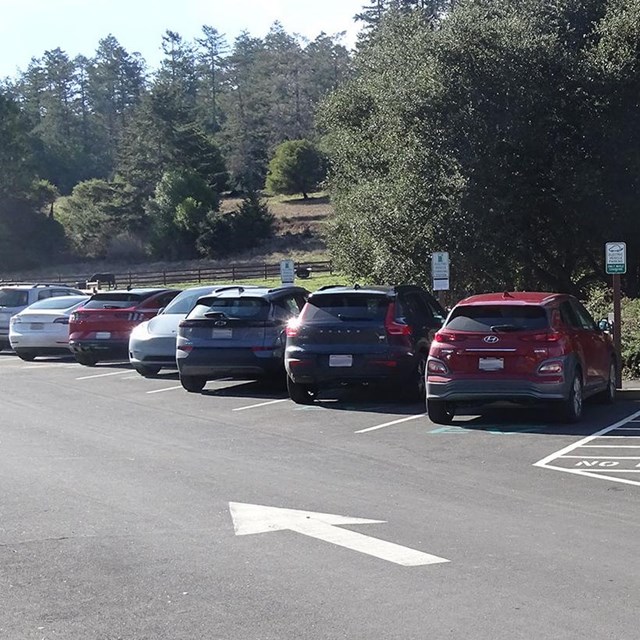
[
  {"x": 519, "y": 347},
  {"x": 100, "y": 329}
]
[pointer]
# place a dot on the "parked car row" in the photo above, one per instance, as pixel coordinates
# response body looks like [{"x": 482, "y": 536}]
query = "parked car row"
[{"x": 517, "y": 347}]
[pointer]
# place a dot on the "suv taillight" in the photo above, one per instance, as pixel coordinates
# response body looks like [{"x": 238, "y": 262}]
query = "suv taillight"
[
  {"x": 448, "y": 336},
  {"x": 292, "y": 328},
  {"x": 548, "y": 336},
  {"x": 392, "y": 326}
]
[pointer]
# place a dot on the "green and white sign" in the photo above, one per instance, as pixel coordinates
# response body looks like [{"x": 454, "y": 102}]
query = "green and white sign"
[{"x": 615, "y": 257}]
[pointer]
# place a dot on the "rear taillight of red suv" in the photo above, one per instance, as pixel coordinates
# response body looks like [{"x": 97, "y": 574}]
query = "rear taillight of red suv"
[
  {"x": 449, "y": 336},
  {"x": 392, "y": 326}
]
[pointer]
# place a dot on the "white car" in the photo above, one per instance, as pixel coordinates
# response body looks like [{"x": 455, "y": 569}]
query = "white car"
[{"x": 42, "y": 329}]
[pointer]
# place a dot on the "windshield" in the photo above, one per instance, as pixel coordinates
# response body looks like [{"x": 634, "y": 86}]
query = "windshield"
[
  {"x": 113, "y": 301},
  {"x": 498, "y": 318},
  {"x": 184, "y": 302},
  {"x": 231, "y": 308},
  {"x": 346, "y": 306},
  {"x": 59, "y": 302},
  {"x": 13, "y": 298}
]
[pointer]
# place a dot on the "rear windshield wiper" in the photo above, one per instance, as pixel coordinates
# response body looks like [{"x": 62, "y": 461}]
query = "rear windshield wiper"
[
  {"x": 506, "y": 327},
  {"x": 341, "y": 316},
  {"x": 215, "y": 314}
]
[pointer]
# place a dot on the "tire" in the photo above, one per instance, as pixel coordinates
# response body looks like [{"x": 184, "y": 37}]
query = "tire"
[
  {"x": 147, "y": 370},
  {"x": 608, "y": 396},
  {"x": 301, "y": 393},
  {"x": 418, "y": 388},
  {"x": 573, "y": 404},
  {"x": 440, "y": 412},
  {"x": 27, "y": 356},
  {"x": 193, "y": 384},
  {"x": 86, "y": 359}
]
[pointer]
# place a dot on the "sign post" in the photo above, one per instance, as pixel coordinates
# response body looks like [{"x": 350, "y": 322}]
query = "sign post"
[
  {"x": 615, "y": 254},
  {"x": 440, "y": 270},
  {"x": 287, "y": 271}
]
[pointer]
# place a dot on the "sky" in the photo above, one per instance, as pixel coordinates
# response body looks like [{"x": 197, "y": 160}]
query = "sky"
[{"x": 28, "y": 28}]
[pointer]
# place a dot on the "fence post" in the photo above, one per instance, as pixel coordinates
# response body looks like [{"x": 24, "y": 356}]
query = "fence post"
[
  {"x": 265, "y": 270},
  {"x": 233, "y": 273},
  {"x": 164, "y": 278},
  {"x": 199, "y": 277},
  {"x": 130, "y": 283}
]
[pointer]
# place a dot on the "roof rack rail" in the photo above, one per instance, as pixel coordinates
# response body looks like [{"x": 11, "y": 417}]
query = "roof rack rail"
[
  {"x": 229, "y": 288},
  {"x": 329, "y": 286}
]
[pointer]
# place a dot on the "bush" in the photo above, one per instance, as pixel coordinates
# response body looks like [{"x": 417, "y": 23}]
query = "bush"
[{"x": 600, "y": 304}]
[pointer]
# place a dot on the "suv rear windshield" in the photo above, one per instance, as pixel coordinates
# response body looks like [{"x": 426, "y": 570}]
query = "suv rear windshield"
[
  {"x": 498, "y": 317},
  {"x": 330, "y": 307},
  {"x": 13, "y": 298},
  {"x": 184, "y": 302},
  {"x": 231, "y": 308},
  {"x": 113, "y": 301}
]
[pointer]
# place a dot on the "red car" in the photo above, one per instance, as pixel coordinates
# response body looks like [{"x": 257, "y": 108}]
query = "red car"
[
  {"x": 100, "y": 329},
  {"x": 519, "y": 347}
]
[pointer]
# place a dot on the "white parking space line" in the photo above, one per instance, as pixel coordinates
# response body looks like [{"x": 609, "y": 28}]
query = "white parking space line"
[
  {"x": 167, "y": 389},
  {"x": 103, "y": 375},
  {"x": 599, "y": 466},
  {"x": 261, "y": 404},
  {"x": 390, "y": 424}
]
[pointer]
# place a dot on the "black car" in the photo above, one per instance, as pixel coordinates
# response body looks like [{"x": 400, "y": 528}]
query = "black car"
[
  {"x": 236, "y": 332},
  {"x": 348, "y": 335}
]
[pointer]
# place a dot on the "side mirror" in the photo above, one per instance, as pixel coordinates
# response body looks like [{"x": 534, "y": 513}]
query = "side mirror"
[{"x": 604, "y": 325}]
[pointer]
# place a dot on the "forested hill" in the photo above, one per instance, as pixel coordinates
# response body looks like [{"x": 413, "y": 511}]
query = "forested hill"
[{"x": 137, "y": 158}]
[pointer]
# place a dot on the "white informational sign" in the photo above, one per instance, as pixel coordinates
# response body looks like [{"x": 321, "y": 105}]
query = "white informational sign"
[
  {"x": 615, "y": 257},
  {"x": 287, "y": 271},
  {"x": 440, "y": 270}
]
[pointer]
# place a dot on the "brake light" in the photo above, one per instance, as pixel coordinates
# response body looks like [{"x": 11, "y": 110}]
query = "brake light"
[
  {"x": 185, "y": 347},
  {"x": 436, "y": 366},
  {"x": 547, "y": 336},
  {"x": 61, "y": 320},
  {"x": 293, "y": 327},
  {"x": 392, "y": 326},
  {"x": 448, "y": 336},
  {"x": 76, "y": 316}
]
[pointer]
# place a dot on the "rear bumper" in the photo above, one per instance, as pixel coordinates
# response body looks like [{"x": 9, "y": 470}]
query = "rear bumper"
[
  {"x": 239, "y": 363},
  {"x": 315, "y": 369},
  {"x": 494, "y": 390},
  {"x": 159, "y": 351},
  {"x": 107, "y": 347}
]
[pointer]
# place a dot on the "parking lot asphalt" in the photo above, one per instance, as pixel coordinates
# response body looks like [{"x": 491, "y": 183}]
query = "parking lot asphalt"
[{"x": 132, "y": 509}]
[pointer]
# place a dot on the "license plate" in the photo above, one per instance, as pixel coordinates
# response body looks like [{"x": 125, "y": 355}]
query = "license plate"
[
  {"x": 37, "y": 326},
  {"x": 341, "y": 361},
  {"x": 221, "y": 333},
  {"x": 103, "y": 335},
  {"x": 491, "y": 364}
]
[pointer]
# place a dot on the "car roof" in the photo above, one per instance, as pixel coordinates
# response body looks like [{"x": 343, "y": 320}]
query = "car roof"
[
  {"x": 388, "y": 290},
  {"x": 44, "y": 285},
  {"x": 138, "y": 292},
  {"x": 514, "y": 297},
  {"x": 251, "y": 291}
]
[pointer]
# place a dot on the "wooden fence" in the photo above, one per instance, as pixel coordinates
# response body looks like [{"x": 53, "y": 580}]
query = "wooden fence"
[{"x": 166, "y": 277}]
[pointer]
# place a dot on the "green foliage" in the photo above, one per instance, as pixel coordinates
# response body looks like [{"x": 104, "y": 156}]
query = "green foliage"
[
  {"x": 246, "y": 227},
  {"x": 506, "y": 134},
  {"x": 298, "y": 166},
  {"x": 600, "y": 305}
]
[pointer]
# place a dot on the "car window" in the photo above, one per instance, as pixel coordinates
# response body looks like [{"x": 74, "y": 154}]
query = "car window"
[
  {"x": 493, "y": 317},
  {"x": 185, "y": 301},
  {"x": 58, "y": 302},
  {"x": 231, "y": 308},
  {"x": 346, "y": 306},
  {"x": 160, "y": 301},
  {"x": 568, "y": 315},
  {"x": 44, "y": 293},
  {"x": 13, "y": 298},
  {"x": 414, "y": 307},
  {"x": 113, "y": 300},
  {"x": 585, "y": 321},
  {"x": 285, "y": 308}
]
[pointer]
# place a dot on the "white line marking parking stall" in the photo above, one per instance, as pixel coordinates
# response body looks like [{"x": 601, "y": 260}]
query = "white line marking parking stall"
[{"x": 613, "y": 454}]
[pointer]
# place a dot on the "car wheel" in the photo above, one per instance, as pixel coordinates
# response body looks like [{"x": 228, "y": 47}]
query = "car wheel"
[
  {"x": 573, "y": 403},
  {"x": 86, "y": 359},
  {"x": 193, "y": 384},
  {"x": 28, "y": 356},
  {"x": 418, "y": 388},
  {"x": 301, "y": 393},
  {"x": 608, "y": 396},
  {"x": 440, "y": 412},
  {"x": 146, "y": 370}
]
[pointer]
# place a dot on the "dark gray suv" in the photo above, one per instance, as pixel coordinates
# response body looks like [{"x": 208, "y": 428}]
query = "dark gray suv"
[
  {"x": 350, "y": 335},
  {"x": 236, "y": 332}
]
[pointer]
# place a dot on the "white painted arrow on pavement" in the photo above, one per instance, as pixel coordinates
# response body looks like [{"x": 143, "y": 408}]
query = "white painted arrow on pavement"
[{"x": 254, "y": 518}]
